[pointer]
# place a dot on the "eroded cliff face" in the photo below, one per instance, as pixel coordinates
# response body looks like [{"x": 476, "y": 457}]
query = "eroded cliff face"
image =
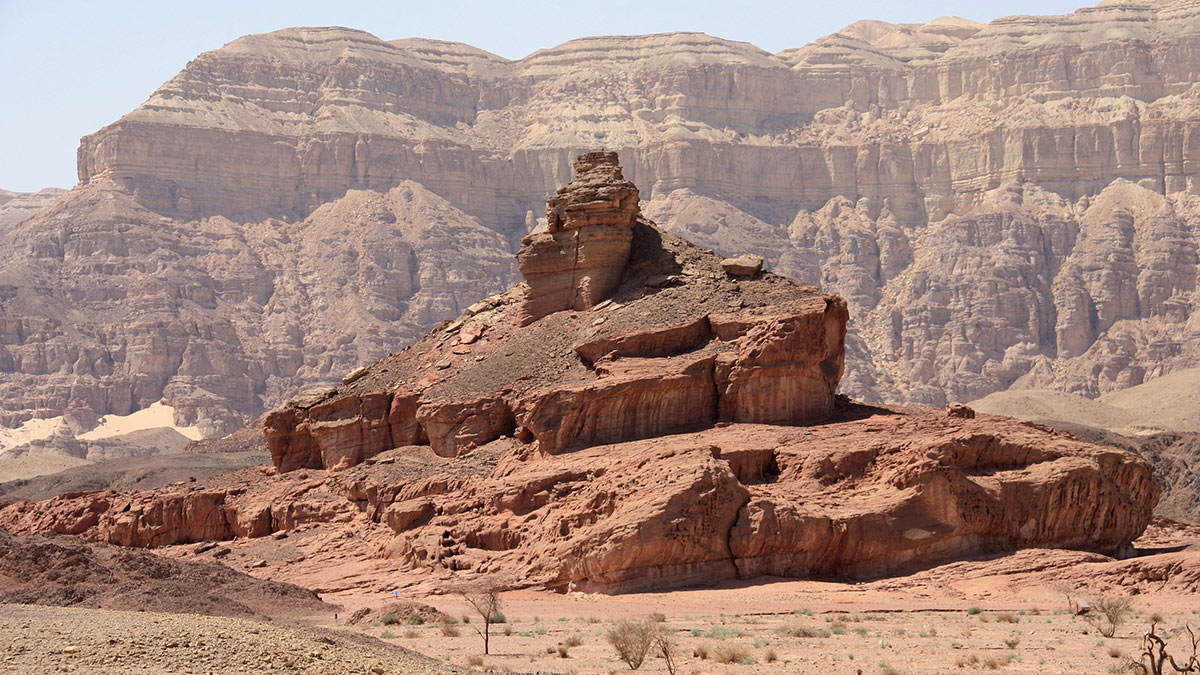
[
  {"x": 108, "y": 307},
  {"x": 1001, "y": 204},
  {"x": 871, "y": 492}
]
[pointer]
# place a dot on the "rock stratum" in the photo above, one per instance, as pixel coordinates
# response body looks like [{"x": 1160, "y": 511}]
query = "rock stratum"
[
  {"x": 680, "y": 428},
  {"x": 1009, "y": 205}
]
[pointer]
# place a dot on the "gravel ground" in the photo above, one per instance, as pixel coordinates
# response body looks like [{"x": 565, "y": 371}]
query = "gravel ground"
[{"x": 65, "y": 639}]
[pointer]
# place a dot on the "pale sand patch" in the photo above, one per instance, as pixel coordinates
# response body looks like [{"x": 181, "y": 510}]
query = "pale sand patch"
[
  {"x": 29, "y": 466},
  {"x": 31, "y": 430},
  {"x": 1041, "y": 404},
  {"x": 1167, "y": 403},
  {"x": 156, "y": 416}
]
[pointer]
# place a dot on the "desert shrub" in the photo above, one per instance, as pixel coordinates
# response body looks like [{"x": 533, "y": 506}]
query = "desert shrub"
[
  {"x": 995, "y": 663},
  {"x": 450, "y": 630},
  {"x": 508, "y": 630},
  {"x": 657, "y": 617},
  {"x": 1012, "y": 642},
  {"x": 476, "y": 661},
  {"x": 390, "y": 619},
  {"x": 731, "y": 653},
  {"x": 1006, "y": 617},
  {"x": 388, "y": 635},
  {"x": 700, "y": 652},
  {"x": 972, "y": 611},
  {"x": 1155, "y": 659},
  {"x": 666, "y": 647},
  {"x": 631, "y": 640},
  {"x": 573, "y": 640},
  {"x": 770, "y": 656},
  {"x": 1107, "y": 614},
  {"x": 410, "y": 634},
  {"x": 484, "y": 598},
  {"x": 497, "y": 617},
  {"x": 796, "y": 631}
]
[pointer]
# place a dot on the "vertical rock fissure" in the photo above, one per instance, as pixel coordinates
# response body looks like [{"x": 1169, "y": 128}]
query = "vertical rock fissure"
[
  {"x": 574, "y": 270},
  {"x": 741, "y": 511}
]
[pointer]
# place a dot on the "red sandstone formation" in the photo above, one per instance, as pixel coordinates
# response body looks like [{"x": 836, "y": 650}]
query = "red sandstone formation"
[
  {"x": 678, "y": 347},
  {"x": 652, "y": 436},
  {"x": 579, "y": 260},
  {"x": 871, "y": 492}
]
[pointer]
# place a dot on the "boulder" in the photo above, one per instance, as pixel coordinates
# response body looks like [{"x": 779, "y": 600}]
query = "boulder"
[{"x": 746, "y": 265}]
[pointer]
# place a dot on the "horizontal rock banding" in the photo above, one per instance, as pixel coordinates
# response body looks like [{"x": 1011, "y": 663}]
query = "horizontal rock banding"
[{"x": 874, "y": 491}]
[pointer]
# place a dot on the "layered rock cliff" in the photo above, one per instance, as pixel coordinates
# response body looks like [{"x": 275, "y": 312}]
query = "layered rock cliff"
[
  {"x": 680, "y": 428},
  {"x": 1002, "y": 205},
  {"x": 874, "y": 491},
  {"x": 17, "y": 207}
]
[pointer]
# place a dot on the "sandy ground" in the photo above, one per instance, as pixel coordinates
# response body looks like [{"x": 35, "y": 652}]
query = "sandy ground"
[
  {"x": 157, "y": 415},
  {"x": 1167, "y": 403},
  {"x": 1008, "y": 613},
  {"x": 30, "y": 466},
  {"x": 30, "y": 430},
  {"x": 63, "y": 639}
]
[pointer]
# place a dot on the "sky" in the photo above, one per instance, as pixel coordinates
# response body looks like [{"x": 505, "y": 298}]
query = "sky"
[{"x": 70, "y": 67}]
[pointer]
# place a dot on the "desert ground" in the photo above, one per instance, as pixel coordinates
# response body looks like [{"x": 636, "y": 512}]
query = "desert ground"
[{"x": 1010, "y": 613}]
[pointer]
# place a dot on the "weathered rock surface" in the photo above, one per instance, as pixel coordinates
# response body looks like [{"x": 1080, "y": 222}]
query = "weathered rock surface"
[
  {"x": 677, "y": 347},
  {"x": 106, "y": 307},
  {"x": 1002, "y": 205},
  {"x": 746, "y": 265},
  {"x": 873, "y": 491},
  {"x": 578, "y": 261},
  {"x": 64, "y": 571},
  {"x": 651, "y": 440},
  {"x": 17, "y": 207}
]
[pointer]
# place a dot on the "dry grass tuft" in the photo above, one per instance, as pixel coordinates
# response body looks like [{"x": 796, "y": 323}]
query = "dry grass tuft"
[{"x": 731, "y": 653}]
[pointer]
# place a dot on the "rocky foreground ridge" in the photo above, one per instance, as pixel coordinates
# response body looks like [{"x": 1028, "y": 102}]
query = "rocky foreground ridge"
[
  {"x": 1002, "y": 205},
  {"x": 682, "y": 428}
]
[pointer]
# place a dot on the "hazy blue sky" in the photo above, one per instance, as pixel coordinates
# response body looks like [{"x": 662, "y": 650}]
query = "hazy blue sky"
[{"x": 68, "y": 68}]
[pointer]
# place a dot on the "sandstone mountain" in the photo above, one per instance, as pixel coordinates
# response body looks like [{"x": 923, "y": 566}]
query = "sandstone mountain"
[
  {"x": 17, "y": 207},
  {"x": 679, "y": 426},
  {"x": 1002, "y": 205}
]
